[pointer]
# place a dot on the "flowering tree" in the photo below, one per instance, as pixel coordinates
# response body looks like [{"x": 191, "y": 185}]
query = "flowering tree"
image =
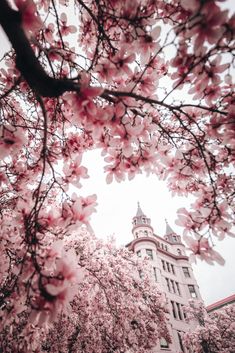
[
  {"x": 94, "y": 292},
  {"x": 215, "y": 332},
  {"x": 105, "y": 74}
]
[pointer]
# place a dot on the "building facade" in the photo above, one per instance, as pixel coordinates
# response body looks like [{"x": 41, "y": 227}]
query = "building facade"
[{"x": 173, "y": 273}]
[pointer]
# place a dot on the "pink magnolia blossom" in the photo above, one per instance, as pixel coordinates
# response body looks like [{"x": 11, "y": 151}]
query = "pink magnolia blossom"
[
  {"x": 106, "y": 70},
  {"x": 65, "y": 30},
  {"x": 83, "y": 102},
  {"x": 74, "y": 171},
  {"x": 56, "y": 294},
  {"x": 31, "y": 22},
  {"x": 11, "y": 142},
  {"x": 122, "y": 61},
  {"x": 201, "y": 247},
  {"x": 210, "y": 26}
]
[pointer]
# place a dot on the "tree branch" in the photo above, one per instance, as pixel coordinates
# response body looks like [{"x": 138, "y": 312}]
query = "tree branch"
[
  {"x": 26, "y": 61},
  {"x": 107, "y": 94}
]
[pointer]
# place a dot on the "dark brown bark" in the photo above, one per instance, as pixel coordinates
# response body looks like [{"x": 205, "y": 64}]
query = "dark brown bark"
[{"x": 26, "y": 61}]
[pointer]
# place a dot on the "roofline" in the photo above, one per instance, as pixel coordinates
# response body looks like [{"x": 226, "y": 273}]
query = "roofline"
[
  {"x": 168, "y": 242},
  {"x": 220, "y": 303},
  {"x": 132, "y": 244},
  {"x": 141, "y": 225},
  {"x": 157, "y": 236}
]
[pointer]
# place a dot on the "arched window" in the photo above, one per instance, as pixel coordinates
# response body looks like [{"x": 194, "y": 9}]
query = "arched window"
[
  {"x": 146, "y": 232},
  {"x": 179, "y": 252}
]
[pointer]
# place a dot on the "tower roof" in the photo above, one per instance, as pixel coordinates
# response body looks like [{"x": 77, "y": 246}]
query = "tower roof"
[
  {"x": 169, "y": 230},
  {"x": 140, "y": 219},
  {"x": 171, "y": 235},
  {"x": 139, "y": 212}
]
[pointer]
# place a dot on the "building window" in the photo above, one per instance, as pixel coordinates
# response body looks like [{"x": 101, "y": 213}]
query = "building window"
[
  {"x": 192, "y": 291},
  {"x": 146, "y": 232},
  {"x": 186, "y": 272},
  {"x": 173, "y": 309},
  {"x": 180, "y": 316},
  {"x": 180, "y": 341},
  {"x": 174, "y": 238},
  {"x": 172, "y": 269},
  {"x": 184, "y": 313},
  {"x": 149, "y": 252},
  {"x": 178, "y": 288},
  {"x": 179, "y": 252},
  {"x": 141, "y": 274},
  {"x": 168, "y": 284},
  {"x": 163, "y": 265},
  {"x": 163, "y": 343},
  {"x": 168, "y": 267},
  {"x": 173, "y": 286},
  {"x": 155, "y": 273},
  {"x": 136, "y": 233},
  {"x": 138, "y": 253},
  {"x": 144, "y": 220},
  {"x": 166, "y": 248}
]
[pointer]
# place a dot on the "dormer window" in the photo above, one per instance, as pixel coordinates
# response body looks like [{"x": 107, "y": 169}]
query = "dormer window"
[
  {"x": 144, "y": 220},
  {"x": 174, "y": 238},
  {"x": 135, "y": 222},
  {"x": 179, "y": 252}
]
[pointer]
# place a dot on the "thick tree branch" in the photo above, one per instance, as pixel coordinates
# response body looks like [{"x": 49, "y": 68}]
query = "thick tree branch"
[{"x": 26, "y": 61}]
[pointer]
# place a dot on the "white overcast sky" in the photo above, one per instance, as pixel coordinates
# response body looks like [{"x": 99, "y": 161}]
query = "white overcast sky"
[{"x": 117, "y": 204}]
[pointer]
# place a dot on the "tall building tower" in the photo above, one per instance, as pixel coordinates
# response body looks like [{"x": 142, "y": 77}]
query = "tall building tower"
[{"x": 171, "y": 270}]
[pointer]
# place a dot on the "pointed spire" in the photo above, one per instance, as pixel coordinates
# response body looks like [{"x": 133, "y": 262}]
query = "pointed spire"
[
  {"x": 171, "y": 235},
  {"x": 140, "y": 220},
  {"x": 169, "y": 230},
  {"x": 139, "y": 212}
]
